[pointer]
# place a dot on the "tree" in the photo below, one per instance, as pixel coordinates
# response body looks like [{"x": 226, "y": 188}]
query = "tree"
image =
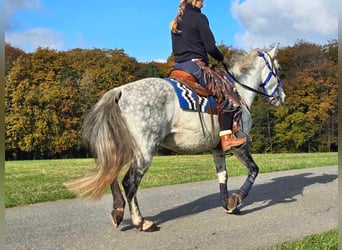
[
  {"x": 11, "y": 55},
  {"x": 17, "y": 92},
  {"x": 310, "y": 98},
  {"x": 263, "y": 124},
  {"x": 148, "y": 70},
  {"x": 48, "y": 94}
]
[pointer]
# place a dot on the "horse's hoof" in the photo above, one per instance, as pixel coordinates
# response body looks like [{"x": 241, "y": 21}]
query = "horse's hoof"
[
  {"x": 233, "y": 202},
  {"x": 117, "y": 216},
  {"x": 149, "y": 226}
]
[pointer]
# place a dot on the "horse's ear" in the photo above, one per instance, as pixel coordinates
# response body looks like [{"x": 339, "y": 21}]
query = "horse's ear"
[{"x": 274, "y": 51}]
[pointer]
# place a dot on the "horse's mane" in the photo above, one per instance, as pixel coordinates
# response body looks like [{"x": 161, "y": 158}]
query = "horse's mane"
[{"x": 242, "y": 62}]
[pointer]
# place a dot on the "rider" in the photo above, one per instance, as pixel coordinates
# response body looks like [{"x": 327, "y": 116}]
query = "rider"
[{"x": 192, "y": 41}]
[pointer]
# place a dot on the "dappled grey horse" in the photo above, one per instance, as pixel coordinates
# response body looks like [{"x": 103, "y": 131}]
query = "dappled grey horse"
[{"x": 129, "y": 123}]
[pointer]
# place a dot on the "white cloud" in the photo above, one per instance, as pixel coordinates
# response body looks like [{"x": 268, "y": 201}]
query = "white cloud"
[
  {"x": 159, "y": 60},
  {"x": 12, "y": 6},
  {"x": 31, "y": 39},
  {"x": 268, "y": 22}
]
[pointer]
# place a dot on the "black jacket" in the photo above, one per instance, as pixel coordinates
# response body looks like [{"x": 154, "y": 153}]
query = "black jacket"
[{"x": 196, "y": 39}]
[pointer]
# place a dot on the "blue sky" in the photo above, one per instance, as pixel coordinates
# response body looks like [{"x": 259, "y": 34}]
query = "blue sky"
[{"x": 141, "y": 28}]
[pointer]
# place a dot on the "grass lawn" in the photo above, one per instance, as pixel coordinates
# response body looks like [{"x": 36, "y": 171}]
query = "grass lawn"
[
  {"x": 324, "y": 241},
  {"x": 28, "y": 182}
]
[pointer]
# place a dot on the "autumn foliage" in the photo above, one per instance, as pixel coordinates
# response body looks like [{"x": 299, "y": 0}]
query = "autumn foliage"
[{"x": 48, "y": 93}]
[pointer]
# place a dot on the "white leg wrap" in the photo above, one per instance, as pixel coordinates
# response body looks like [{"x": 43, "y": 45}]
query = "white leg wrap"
[{"x": 222, "y": 177}]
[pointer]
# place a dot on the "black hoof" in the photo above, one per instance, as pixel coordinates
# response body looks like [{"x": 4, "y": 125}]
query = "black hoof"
[
  {"x": 236, "y": 211},
  {"x": 149, "y": 226},
  {"x": 233, "y": 202}
]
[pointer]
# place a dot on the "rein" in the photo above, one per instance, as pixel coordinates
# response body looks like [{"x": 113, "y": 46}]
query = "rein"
[
  {"x": 244, "y": 85},
  {"x": 271, "y": 73}
]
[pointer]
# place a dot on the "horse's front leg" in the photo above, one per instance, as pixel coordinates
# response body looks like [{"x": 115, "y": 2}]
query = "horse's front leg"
[
  {"x": 243, "y": 153},
  {"x": 118, "y": 203},
  {"x": 222, "y": 176}
]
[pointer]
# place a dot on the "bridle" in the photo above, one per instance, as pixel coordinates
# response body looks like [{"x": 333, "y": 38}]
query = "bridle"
[{"x": 273, "y": 72}]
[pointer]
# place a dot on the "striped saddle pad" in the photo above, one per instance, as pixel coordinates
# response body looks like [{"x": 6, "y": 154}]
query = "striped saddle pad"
[{"x": 188, "y": 100}]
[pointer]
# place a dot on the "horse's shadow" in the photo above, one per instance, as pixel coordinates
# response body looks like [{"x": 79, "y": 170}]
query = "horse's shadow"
[
  {"x": 279, "y": 190},
  {"x": 284, "y": 190}
]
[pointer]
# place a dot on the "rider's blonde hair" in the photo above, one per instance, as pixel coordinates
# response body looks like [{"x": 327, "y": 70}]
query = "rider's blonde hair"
[{"x": 176, "y": 20}]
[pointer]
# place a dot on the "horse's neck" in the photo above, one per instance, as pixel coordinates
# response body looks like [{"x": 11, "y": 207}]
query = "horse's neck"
[{"x": 251, "y": 79}]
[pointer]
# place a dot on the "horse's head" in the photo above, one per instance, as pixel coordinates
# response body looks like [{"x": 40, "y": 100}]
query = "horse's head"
[{"x": 272, "y": 86}]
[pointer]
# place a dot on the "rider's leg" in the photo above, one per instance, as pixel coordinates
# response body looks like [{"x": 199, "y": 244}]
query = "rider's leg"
[
  {"x": 228, "y": 139},
  {"x": 192, "y": 67}
]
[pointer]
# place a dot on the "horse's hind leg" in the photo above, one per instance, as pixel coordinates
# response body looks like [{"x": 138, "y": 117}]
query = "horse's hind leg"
[
  {"x": 118, "y": 203},
  {"x": 131, "y": 183}
]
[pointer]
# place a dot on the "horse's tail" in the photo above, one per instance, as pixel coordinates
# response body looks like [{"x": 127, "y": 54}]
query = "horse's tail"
[{"x": 110, "y": 142}]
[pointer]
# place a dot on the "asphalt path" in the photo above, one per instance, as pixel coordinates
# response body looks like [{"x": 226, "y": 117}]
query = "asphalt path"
[{"x": 282, "y": 206}]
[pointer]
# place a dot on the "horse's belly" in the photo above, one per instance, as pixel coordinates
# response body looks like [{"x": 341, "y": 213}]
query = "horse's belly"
[
  {"x": 188, "y": 136},
  {"x": 189, "y": 144}
]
